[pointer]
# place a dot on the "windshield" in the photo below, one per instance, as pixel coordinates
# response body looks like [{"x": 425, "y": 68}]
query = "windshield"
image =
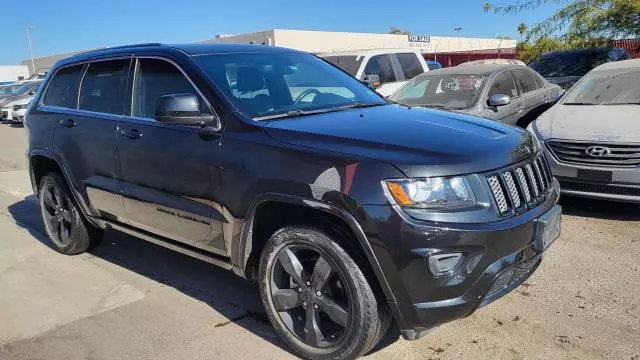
[
  {"x": 350, "y": 63},
  {"x": 22, "y": 89},
  {"x": 575, "y": 63},
  {"x": 264, "y": 85},
  {"x": 606, "y": 87},
  {"x": 448, "y": 91}
]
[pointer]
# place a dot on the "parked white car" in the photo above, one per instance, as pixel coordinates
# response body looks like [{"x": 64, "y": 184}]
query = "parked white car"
[
  {"x": 18, "y": 102},
  {"x": 386, "y": 69}
]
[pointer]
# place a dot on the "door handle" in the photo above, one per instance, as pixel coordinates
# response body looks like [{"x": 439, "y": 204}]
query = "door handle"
[
  {"x": 67, "y": 123},
  {"x": 131, "y": 134}
]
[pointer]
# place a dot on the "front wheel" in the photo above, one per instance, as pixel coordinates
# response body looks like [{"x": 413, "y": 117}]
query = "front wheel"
[{"x": 316, "y": 296}]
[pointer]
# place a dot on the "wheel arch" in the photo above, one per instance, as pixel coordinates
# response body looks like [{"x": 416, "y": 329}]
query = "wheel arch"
[
  {"x": 41, "y": 162},
  {"x": 254, "y": 235}
]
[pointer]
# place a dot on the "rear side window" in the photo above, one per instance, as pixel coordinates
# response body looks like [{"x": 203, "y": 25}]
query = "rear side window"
[
  {"x": 504, "y": 85},
  {"x": 380, "y": 65},
  {"x": 410, "y": 64},
  {"x": 158, "y": 78},
  {"x": 527, "y": 81},
  {"x": 350, "y": 64},
  {"x": 63, "y": 88},
  {"x": 103, "y": 87}
]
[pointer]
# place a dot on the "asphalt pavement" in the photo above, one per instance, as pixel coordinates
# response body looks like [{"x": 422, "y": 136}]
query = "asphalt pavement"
[{"x": 129, "y": 299}]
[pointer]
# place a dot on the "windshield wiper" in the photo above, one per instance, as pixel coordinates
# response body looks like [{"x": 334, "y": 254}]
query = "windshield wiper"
[
  {"x": 298, "y": 113},
  {"x": 578, "y": 103}
]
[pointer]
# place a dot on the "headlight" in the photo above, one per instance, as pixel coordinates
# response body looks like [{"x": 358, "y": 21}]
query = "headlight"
[
  {"x": 21, "y": 106},
  {"x": 438, "y": 193},
  {"x": 534, "y": 134}
]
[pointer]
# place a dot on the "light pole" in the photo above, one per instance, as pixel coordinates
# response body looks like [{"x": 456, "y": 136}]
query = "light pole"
[
  {"x": 458, "y": 30},
  {"x": 33, "y": 64}
]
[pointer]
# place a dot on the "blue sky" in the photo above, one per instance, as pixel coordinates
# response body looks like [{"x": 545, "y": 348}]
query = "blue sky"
[{"x": 68, "y": 25}]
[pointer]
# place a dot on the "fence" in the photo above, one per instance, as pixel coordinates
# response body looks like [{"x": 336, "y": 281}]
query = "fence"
[{"x": 448, "y": 59}]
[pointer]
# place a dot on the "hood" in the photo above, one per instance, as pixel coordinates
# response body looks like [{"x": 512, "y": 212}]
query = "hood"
[
  {"x": 419, "y": 142},
  {"x": 564, "y": 82},
  {"x": 20, "y": 99},
  {"x": 606, "y": 123}
]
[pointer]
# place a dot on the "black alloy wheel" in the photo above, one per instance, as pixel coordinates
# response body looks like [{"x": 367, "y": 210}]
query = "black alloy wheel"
[
  {"x": 57, "y": 214},
  {"x": 309, "y": 295}
]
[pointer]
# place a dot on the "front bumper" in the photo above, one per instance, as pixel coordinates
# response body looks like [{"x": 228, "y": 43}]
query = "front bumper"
[
  {"x": 624, "y": 185},
  {"x": 18, "y": 115},
  {"x": 498, "y": 257}
]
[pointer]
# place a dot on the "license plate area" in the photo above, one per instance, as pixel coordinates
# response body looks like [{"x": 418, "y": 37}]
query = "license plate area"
[
  {"x": 595, "y": 175},
  {"x": 548, "y": 228}
]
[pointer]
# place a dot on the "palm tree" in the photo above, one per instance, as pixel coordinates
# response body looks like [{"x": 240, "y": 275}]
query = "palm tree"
[{"x": 522, "y": 28}]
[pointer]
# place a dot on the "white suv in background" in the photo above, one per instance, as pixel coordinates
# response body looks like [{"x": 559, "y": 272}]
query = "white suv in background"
[{"x": 386, "y": 69}]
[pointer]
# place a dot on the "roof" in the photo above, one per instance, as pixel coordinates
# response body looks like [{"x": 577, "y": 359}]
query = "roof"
[
  {"x": 370, "y": 52},
  {"x": 189, "y": 49},
  {"x": 616, "y": 65},
  {"x": 472, "y": 70}
]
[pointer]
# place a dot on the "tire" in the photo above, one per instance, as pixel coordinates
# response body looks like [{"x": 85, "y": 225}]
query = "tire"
[
  {"x": 327, "y": 286},
  {"x": 64, "y": 223}
]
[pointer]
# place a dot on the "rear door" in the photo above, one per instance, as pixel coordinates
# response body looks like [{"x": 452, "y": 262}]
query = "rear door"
[
  {"x": 169, "y": 172},
  {"x": 382, "y": 66},
  {"x": 85, "y": 138},
  {"x": 504, "y": 84},
  {"x": 536, "y": 95},
  {"x": 410, "y": 65}
]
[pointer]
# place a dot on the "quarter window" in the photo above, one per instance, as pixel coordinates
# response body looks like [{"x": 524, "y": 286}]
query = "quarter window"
[
  {"x": 380, "y": 65},
  {"x": 63, "y": 88},
  {"x": 103, "y": 87},
  {"x": 156, "y": 78},
  {"x": 527, "y": 81},
  {"x": 410, "y": 64},
  {"x": 504, "y": 84}
]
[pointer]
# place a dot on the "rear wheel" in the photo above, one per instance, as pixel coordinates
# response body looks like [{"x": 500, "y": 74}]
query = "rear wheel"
[
  {"x": 316, "y": 297},
  {"x": 64, "y": 223}
]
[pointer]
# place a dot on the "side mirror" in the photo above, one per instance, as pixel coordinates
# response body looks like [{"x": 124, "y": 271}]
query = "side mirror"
[
  {"x": 182, "y": 109},
  {"x": 499, "y": 100},
  {"x": 373, "y": 80}
]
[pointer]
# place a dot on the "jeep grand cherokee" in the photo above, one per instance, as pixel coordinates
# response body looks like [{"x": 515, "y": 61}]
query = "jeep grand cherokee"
[{"x": 351, "y": 213}]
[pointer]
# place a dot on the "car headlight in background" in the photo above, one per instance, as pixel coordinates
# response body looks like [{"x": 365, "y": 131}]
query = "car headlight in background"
[
  {"x": 536, "y": 141},
  {"x": 19, "y": 107},
  {"x": 437, "y": 193}
]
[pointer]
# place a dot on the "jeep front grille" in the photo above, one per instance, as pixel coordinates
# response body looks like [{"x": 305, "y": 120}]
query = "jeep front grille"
[
  {"x": 522, "y": 186},
  {"x": 623, "y": 155}
]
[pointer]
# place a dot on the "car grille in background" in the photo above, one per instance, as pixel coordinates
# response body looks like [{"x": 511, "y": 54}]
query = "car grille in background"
[
  {"x": 511, "y": 278},
  {"x": 599, "y": 188},
  {"x": 576, "y": 152},
  {"x": 522, "y": 186}
]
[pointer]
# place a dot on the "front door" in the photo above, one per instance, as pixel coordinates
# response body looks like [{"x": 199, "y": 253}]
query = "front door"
[
  {"x": 504, "y": 84},
  {"x": 168, "y": 171}
]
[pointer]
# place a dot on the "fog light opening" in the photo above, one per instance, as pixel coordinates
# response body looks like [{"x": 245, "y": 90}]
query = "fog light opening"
[{"x": 441, "y": 264}]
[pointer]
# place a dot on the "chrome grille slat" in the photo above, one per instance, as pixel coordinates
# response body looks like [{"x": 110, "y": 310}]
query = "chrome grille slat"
[
  {"x": 498, "y": 194},
  {"x": 624, "y": 155},
  {"x": 532, "y": 180},
  {"x": 541, "y": 180},
  {"x": 513, "y": 190},
  {"x": 523, "y": 184}
]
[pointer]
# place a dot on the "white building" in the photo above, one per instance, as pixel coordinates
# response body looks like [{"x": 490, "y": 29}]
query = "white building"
[
  {"x": 13, "y": 73},
  {"x": 329, "y": 41}
]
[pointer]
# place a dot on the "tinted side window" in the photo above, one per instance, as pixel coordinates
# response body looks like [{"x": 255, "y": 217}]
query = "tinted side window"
[
  {"x": 103, "y": 87},
  {"x": 156, "y": 78},
  {"x": 526, "y": 80},
  {"x": 63, "y": 88},
  {"x": 380, "y": 65},
  {"x": 504, "y": 84},
  {"x": 410, "y": 64}
]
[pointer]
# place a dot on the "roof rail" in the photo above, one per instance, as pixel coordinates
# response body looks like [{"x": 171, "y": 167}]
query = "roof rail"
[{"x": 122, "y": 47}]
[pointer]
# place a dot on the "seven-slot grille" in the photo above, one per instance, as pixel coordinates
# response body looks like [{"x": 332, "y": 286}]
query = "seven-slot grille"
[
  {"x": 519, "y": 187},
  {"x": 577, "y": 152}
]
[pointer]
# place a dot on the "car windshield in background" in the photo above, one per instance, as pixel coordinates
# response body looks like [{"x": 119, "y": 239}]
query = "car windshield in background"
[
  {"x": 22, "y": 89},
  {"x": 617, "y": 87},
  {"x": 269, "y": 85},
  {"x": 575, "y": 63},
  {"x": 348, "y": 63},
  {"x": 447, "y": 91}
]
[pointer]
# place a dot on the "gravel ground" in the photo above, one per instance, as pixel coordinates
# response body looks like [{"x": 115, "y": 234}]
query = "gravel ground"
[{"x": 582, "y": 303}]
